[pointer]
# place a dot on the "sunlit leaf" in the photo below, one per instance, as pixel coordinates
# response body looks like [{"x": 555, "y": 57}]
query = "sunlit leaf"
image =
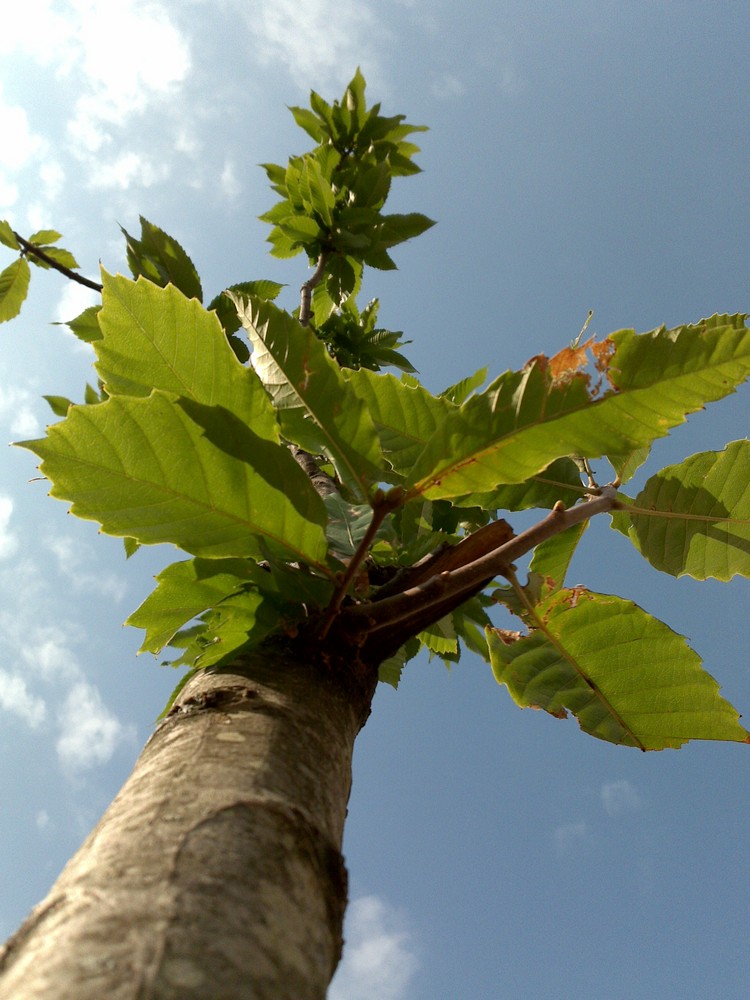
[
  {"x": 155, "y": 338},
  {"x": 44, "y": 236},
  {"x": 143, "y": 467},
  {"x": 7, "y": 236},
  {"x": 14, "y": 286},
  {"x": 405, "y": 415},
  {"x": 526, "y": 419},
  {"x": 625, "y": 675}
]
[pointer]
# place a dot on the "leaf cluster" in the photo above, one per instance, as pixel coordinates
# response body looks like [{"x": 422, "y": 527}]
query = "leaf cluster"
[{"x": 316, "y": 495}]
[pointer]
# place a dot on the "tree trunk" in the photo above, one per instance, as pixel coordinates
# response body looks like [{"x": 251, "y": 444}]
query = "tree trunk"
[{"x": 217, "y": 870}]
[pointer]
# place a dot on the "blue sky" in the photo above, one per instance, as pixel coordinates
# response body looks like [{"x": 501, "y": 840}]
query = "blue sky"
[{"x": 586, "y": 155}]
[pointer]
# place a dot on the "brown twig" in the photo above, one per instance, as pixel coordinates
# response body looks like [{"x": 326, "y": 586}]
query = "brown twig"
[
  {"x": 36, "y": 251},
  {"x": 382, "y": 506},
  {"x": 471, "y": 577}
]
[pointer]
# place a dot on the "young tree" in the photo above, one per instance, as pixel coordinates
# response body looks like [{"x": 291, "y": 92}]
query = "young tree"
[{"x": 337, "y": 520}]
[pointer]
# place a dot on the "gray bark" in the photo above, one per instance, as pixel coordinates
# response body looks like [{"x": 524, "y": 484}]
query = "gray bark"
[{"x": 217, "y": 872}]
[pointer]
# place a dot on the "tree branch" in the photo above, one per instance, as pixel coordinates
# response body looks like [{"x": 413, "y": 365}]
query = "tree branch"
[
  {"x": 36, "y": 251},
  {"x": 464, "y": 581},
  {"x": 382, "y": 505}
]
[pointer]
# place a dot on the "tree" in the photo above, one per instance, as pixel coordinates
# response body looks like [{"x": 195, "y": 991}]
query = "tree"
[{"x": 337, "y": 520}]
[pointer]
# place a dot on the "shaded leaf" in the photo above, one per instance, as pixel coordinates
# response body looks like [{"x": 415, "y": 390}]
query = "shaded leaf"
[
  {"x": 160, "y": 258},
  {"x": 626, "y": 677},
  {"x": 552, "y": 557},
  {"x": 86, "y": 325},
  {"x": 185, "y": 590},
  {"x": 319, "y": 409},
  {"x": 693, "y": 519},
  {"x": 58, "y": 404}
]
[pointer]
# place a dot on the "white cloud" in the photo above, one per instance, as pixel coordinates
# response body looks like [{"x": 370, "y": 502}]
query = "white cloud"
[
  {"x": 47, "y": 653},
  {"x": 379, "y": 960},
  {"x": 113, "y": 59},
  {"x": 320, "y": 40},
  {"x": 89, "y": 733},
  {"x": 16, "y": 412},
  {"x": 74, "y": 298},
  {"x": 619, "y": 797},
  {"x": 16, "y": 698},
  {"x": 568, "y": 835},
  {"x": 72, "y": 559},
  {"x": 8, "y": 541},
  {"x": 42, "y": 819},
  {"x": 228, "y": 180},
  {"x": 19, "y": 145},
  {"x": 447, "y": 86}
]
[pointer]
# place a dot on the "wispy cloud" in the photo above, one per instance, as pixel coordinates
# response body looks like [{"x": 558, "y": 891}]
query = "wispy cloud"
[
  {"x": 379, "y": 959},
  {"x": 114, "y": 61},
  {"x": 73, "y": 561},
  {"x": 8, "y": 540},
  {"x": 567, "y": 835},
  {"x": 16, "y": 698},
  {"x": 16, "y": 412},
  {"x": 320, "y": 40},
  {"x": 38, "y": 645},
  {"x": 447, "y": 86},
  {"x": 89, "y": 732},
  {"x": 619, "y": 797}
]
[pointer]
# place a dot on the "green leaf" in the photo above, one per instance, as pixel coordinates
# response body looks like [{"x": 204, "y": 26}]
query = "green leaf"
[
  {"x": 460, "y": 391},
  {"x": 524, "y": 420},
  {"x": 62, "y": 256},
  {"x": 390, "y": 670},
  {"x": 131, "y": 546},
  {"x": 91, "y": 396},
  {"x": 58, "y": 404},
  {"x": 225, "y": 308},
  {"x": 693, "y": 519},
  {"x": 143, "y": 467},
  {"x": 7, "y": 236},
  {"x": 86, "y": 325},
  {"x": 319, "y": 409},
  {"x": 399, "y": 228},
  {"x": 160, "y": 258},
  {"x": 309, "y": 122},
  {"x": 561, "y": 480},
  {"x": 552, "y": 557},
  {"x": 185, "y": 590},
  {"x": 301, "y": 229},
  {"x": 44, "y": 236},
  {"x": 440, "y": 638},
  {"x": 626, "y": 677},
  {"x": 405, "y": 415},
  {"x": 155, "y": 338},
  {"x": 14, "y": 286},
  {"x": 627, "y": 465}
]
